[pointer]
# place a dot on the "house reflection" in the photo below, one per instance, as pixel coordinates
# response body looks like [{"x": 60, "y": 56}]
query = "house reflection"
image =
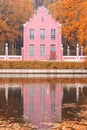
[{"x": 42, "y": 102}]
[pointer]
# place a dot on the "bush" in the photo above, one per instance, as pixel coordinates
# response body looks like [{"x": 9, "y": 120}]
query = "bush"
[{"x": 42, "y": 65}]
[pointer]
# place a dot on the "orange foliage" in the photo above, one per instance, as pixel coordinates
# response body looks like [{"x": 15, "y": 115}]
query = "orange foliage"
[
  {"x": 13, "y": 13},
  {"x": 73, "y": 16}
]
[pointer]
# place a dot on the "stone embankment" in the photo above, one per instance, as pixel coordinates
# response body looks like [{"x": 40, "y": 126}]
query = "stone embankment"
[{"x": 43, "y": 71}]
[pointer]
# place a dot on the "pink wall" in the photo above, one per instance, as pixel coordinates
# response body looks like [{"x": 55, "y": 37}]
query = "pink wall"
[{"x": 36, "y": 23}]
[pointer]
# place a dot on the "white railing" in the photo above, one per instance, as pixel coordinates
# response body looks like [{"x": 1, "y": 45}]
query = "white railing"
[
  {"x": 64, "y": 58},
  {"x": 47, "y": 57},
  {"x": 2, "y": 57},
  {"x": 74, "y": 58},
  {"x": 15, "y": 57}
]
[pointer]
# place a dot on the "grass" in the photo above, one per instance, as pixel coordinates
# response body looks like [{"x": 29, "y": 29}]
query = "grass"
[{"x": 42, "y": 65}]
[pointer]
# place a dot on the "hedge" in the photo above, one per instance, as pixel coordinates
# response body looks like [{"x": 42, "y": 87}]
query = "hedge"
[{"x": 42, "y": 65}]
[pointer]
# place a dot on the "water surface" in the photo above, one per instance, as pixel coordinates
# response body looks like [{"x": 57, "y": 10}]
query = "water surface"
[{"x": 41, "y": 101}]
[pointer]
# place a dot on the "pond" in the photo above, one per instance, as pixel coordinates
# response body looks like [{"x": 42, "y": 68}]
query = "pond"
[{"x": 43, "y": 101}]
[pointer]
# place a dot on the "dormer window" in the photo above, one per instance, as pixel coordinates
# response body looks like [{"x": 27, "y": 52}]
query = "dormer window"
[{"x": 42, "y": 19}]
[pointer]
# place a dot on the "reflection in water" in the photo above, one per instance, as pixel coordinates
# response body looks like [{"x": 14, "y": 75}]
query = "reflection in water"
[
  {"x": 10, "y": 102},
  {"x": 42, "y": 102},
  {"x": 37, "y": 102}
]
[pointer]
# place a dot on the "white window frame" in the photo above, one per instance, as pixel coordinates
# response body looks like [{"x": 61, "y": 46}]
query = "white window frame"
[
  {"x": 31, "y": 31},
  {"x": 42, "y": 33},
  {"x": 42, "y": 50},
  {"x": 53, "y": 34},
  {"x": 31, "y": 49}
]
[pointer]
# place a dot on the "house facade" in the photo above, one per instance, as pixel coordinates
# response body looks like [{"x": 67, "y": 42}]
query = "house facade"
[{"x": 42, "y": 37}]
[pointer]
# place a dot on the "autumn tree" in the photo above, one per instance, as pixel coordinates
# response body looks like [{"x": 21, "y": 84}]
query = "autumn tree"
[
  {"x": 73, "y": 16},
  {"x": 13, "y": 14},
  {"x": 45, "y": 3}
]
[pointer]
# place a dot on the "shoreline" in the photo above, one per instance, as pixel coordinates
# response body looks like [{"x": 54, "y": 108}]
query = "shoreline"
[{"x": 43, "y": 73}]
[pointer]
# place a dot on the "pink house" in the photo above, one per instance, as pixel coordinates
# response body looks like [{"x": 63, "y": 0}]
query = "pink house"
[{"x": 42, "y": 37}]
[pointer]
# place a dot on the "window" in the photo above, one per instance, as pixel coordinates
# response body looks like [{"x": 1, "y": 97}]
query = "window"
[
  {"x": 42, "y": 33},
  {"x": 31, "y": 50},
  {"x": 53, "y": 47},
  {"x": 42, "y": 50},
  {"x": 53, "y": 33},
  {"x": 42, "y": 19},
  {"x": 31, "y": 33}
]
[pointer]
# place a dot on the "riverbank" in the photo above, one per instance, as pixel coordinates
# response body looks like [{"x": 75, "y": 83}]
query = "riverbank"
[
  {"x": 42, "y": 65},
  {"x": 43, "y": 76},
  {"x": 43, "y": 71}
]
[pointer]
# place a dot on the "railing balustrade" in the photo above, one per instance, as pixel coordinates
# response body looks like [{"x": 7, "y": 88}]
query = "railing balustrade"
[{"x": 9, "y": 55}]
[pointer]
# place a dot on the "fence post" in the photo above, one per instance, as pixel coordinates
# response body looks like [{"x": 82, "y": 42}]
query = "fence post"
[
  {"x": 68, "y": 51},
  {"x": 62, "y": 52},
  {"x": 77, "y": 51},
  {"x": 6, "y": 51},
  {"x": 81, "y": 50}
]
